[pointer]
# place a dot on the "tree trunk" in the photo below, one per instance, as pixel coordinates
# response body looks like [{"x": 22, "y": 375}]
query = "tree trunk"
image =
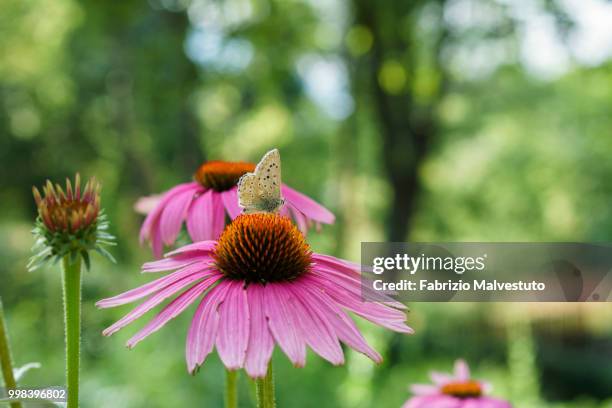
[{"x": 407, "y": 129}]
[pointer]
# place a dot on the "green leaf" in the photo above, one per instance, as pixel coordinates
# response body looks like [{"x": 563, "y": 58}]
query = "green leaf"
[{"x": 105, "y": 254}]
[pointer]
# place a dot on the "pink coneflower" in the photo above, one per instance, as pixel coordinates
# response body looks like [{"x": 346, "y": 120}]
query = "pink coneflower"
[
  {"x": 203, "y": 203},
  {"x": 259, "y": 285},
  {"x": 454, "y": 391}
]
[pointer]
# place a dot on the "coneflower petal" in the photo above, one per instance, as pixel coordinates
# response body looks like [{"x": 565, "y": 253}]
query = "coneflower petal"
[
  {"x": 440, "y": 378},
  {"x": 355, "y": 286},
  {"x": 352, "y": 291},
  {"x": 284, "y": 328},
  {"x": 353, "y": 271},
  {"x": 173, "y": 216},
  {"x": 423, "y": 389},
  {"x": 172, "y": 310},
  {"x": 300, "y": 219},
  {"x": 151, "y": 222},
  {"x": 341, "y": 265},
  {"x": 345, "y": 327},
  {"x": 380, "y": 314},
  {"x": 176, "y": 262},
  {"x": 153, "y": 301},
  {"x": 195, "y": 249},
  {"x": 203, "y": 330},
  {"x": 233, "y": 335},
  {"x": 261, "y": 343},
  {"x": 315, "y": 326},
  {"x": 230, "y": 202},
  {"x": 152, "y": 287},
  {"x": 205, "y": 219},
  {"x": 462, "y": 370},
  {"x": 308, "y": 206}
]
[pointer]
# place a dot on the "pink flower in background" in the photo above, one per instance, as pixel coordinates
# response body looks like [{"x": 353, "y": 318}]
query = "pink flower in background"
[
  {"x": 257, "y": 286},
  {"x": 146, "y": 204},
  {"x": 202, "y": 204},
  {"x": 454, "y": 391}
]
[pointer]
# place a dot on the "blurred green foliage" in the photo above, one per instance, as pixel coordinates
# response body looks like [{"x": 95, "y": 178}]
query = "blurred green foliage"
[{"x": 140, "y": 93}]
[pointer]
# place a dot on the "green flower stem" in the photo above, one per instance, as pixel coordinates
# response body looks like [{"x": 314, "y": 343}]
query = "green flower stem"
[
  {"x": 231, "y": 389},
  {"x": 5, "y": 357},
  {"x": 265, "y": 390},
  {"x": 71, "y": 278}
]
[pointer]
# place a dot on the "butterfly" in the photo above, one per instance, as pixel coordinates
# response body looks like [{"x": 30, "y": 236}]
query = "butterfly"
[{"x": 260, "y": 191}]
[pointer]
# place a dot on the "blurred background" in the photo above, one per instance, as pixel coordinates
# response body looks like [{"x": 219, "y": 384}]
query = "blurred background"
[{"x": 427, "y": 120}]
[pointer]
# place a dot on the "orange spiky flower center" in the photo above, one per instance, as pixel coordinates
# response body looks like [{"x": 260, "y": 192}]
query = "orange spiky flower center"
[
  {"x": 221, "y": 175},
  {"x": 463, "y": 389},
  {"x": 262, "y": 248},
  {"x": 71, "y": 210}
]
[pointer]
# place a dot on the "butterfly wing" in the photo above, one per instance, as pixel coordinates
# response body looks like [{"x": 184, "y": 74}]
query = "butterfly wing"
[
  {"x": 248, "y": 192},
  {"x": 268, "y": 173}
]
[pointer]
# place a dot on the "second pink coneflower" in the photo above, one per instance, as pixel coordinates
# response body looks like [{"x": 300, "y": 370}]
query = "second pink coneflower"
[{"x": 203, "y": 204}]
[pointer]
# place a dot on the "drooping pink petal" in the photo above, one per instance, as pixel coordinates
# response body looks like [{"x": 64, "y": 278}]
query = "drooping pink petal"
[
  {"x": 314, "y": 322},
  {"x": 300, "y": 219},
  {"x": 219, "y": 217},
  {"x": 172, "y": 310},
  {"x": 353, "y": 271},
  {"x": 350, "y": 268},
  {"x": 195, "y": 249},
  {"x": 151, "y": 222},
  {"x": 462, "y": 371},
  {"x": 152, "y": 287},
  {"x": 261, "y": 343},
  {"x": 206, "y": 217},
  {"x": 203, "y": 330},
  {"x": 199, "y": 217},
  {"x": 307, "y": 206},
  {"x": 345, "y": 290},
  {"x": 345, "y": 328},
  {"x": 423, "y": 389},
  {"x": 377, "y": 313},
  {"x": 302, "y": 222},
  {"x": 176, "y": 262},
  {"x": 355, "y": 286},
  {"x": 233, "y": 336},
  {"x": 157, "y": 246},
  {"x": 286, "y": 332},
  {"x": 150, "y": 219},
  {"x": 440, "y": 379},
  {"x": 173, "y": 216},
  {"x": 230, "y": 202},
  {"x": 153, "y": 301},
  {"x": 144, "y": 205}
]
